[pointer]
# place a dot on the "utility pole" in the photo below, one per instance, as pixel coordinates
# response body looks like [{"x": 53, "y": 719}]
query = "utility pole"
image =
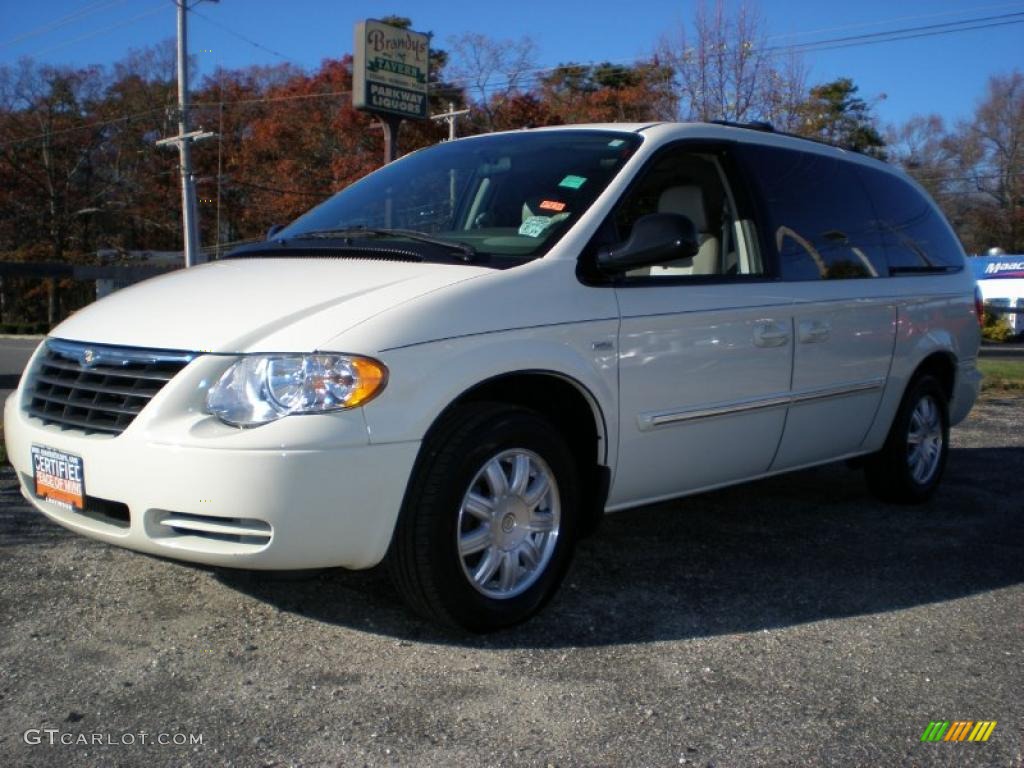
[
  {"x": 184, "y": 139},
  {"x": 449, "y": 117},
  {"x": 220, "y": 156}
]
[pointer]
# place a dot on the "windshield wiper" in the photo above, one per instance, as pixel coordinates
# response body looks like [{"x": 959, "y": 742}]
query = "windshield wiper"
[{"x": 469, "y": 253}]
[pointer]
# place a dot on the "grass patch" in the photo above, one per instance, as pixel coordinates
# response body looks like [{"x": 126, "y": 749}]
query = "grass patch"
[{"x": 1002, "y": 374}]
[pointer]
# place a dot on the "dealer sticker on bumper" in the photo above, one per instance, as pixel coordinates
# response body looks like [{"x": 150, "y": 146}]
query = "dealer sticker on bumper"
[{"x": 59, "y": 476}]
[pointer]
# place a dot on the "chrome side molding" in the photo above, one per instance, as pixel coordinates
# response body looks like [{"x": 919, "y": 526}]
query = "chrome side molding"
[{"x": 654, "y": 419}]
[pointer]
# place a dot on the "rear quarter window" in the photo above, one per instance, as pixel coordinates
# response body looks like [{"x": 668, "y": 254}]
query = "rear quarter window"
[
  {"x": 816, "y": 216},
  {"x": 917, "y": 236}
]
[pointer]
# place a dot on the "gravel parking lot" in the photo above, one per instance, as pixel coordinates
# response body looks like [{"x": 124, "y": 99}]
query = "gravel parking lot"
[{"x": 791, "y": 622}]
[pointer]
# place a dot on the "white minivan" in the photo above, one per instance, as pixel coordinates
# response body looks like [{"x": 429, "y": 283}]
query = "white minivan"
[{"x": 459, "y": 363}]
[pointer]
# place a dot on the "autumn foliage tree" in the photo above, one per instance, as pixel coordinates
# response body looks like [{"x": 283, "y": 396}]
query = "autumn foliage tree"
[
  {"x": 50, "y": 146},
  {"x": 287, "y": 142},
  {"x": 608, "y": 93},
  {"x": 80, "y": 172}
]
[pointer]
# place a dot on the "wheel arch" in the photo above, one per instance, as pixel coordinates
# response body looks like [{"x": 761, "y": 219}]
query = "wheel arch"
[
  {"x": 908, "y": 469},
  {"x": 938, "y": 362},
  {"x": 941, "y": 365},
  {"x": 571, "y": 408}
]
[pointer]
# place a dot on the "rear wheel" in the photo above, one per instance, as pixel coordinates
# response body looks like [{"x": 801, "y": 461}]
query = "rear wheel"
[
  {"x": 910, "y": 465},
  {"x": 489, "y": 520}
]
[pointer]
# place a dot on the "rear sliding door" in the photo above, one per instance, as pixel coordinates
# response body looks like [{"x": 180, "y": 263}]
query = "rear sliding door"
[{"x": 818, "y": 223}]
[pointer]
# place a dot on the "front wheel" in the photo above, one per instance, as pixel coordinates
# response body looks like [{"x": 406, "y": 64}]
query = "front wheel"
[
  {"x": 489, "y": 521},
  {"x": 910, "y": 465}
]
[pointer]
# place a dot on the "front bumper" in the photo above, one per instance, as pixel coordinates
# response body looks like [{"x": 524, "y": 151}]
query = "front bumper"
[{"x": 303, "y": 492}]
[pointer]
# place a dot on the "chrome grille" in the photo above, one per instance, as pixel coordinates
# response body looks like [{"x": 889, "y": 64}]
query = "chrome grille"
[{"x": 97, "y": 387}]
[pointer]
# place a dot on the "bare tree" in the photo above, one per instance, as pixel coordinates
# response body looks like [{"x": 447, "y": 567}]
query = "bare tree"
[
  {"x": 924, "y": 148},
  {"x": 157, "y": 63},
  {"x": 785, "y": 92},
  {"x": 998, "y": 132},
  {"x": 491, "y": 70},
  {"x": 47, "y": 157},
  {"x": 976, "y": 170},
  {"x": 47, "y": 144},
  {"x": 725, "y": 71},
  {"x": 941, "y": 163}
]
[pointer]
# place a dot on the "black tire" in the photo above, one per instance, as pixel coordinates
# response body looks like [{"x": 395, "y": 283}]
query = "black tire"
[
  {"x": 425, "y": 560},
  {"x": 898, "y": 473}
]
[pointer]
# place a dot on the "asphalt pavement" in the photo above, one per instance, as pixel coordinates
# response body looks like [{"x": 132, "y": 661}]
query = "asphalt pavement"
[{"x": 792, "y": 622}]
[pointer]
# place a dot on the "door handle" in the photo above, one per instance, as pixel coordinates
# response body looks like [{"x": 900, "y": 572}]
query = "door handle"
[
  {"x": 770, "y": 334},
  {"x": 814, "y": 331}
]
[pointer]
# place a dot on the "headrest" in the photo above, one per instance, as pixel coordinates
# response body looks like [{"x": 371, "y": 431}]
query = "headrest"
[{"x": 687, "y": 200}]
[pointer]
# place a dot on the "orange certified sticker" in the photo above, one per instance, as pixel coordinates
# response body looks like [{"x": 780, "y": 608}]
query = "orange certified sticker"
[
  {"x": 59, "y": 476},
  {"x": 552, "y": 205}
]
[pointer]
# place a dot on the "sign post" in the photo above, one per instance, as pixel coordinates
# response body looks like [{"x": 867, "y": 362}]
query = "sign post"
[
  {"x": 391, "y": 124},
  {"x": 391, "y": 69}
]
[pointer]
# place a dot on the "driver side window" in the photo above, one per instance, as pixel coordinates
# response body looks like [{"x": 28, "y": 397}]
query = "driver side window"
[{"x": 694, "y": 185}]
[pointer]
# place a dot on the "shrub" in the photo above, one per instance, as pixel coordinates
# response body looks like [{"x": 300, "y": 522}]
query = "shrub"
[{"x": 996, "y": 327}]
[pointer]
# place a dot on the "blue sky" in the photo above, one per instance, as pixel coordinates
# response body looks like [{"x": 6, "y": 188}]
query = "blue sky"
[{"x": 944, "y": 73}]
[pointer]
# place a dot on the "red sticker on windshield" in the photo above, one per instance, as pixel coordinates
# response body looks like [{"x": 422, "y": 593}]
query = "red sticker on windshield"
[{"x": 551, "y": 205}]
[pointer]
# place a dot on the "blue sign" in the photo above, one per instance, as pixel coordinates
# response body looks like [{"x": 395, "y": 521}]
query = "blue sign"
[{"x": 994, "y": 267}]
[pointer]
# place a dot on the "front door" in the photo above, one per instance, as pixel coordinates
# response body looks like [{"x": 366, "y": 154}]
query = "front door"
[
  {"x": 704, "y": 377},
  {"x": 705, "y": 344}
]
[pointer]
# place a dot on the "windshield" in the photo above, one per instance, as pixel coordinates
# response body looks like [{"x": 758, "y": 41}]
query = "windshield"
[{"x": 506, "y": 195}]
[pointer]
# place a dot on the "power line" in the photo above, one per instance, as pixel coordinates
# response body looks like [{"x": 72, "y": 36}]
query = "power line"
[
  {"x": 243, "y": 38},
  {"x": 897, "y": 34},
  {"x": 921, "y": 35},
  {"x": 192, "y": 105},
  {"x": 261, "y": 187},
  {"x": 906, "y": 33},
  {"x": 976, "y": 177},
  {"x": 62, "y": 21},
  {"x": 896, "y": 20},
  {"x": 271, "y": 99},
  {"x": 89, "y": 126},
  {"x": 95, "y": 33}
]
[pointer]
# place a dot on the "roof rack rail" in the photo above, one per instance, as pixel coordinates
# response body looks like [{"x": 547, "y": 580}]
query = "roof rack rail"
[
  {"x": 766, "y": 127},
  {"x": 753, "y": 125}
]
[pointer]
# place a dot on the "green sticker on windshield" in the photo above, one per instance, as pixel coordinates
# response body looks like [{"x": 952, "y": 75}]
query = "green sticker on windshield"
[
  {"x": 572, "y": 182},
  {"x": 535, "y": 226},
  {"x": 616, "y": 143}
]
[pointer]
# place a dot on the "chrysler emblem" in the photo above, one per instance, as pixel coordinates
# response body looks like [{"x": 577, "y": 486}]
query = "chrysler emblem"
[{"x": 89, "y": 357}]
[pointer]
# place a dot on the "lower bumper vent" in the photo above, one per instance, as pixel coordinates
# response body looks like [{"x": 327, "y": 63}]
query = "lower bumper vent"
[{"x": 237, "y": 530}]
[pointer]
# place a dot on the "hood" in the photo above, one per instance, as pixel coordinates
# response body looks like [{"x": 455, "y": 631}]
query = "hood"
[{"x": 257, "y": 305}]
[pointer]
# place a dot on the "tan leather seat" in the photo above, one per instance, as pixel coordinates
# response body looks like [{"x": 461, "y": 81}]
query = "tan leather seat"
[{"x": 688, "y": 200}]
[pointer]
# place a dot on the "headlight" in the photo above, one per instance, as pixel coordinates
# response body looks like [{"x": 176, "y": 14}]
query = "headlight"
[{"x": 262, "y": 388}]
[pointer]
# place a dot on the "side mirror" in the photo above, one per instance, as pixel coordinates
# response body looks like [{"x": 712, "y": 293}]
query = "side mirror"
[
  {"x": 656, "y": 238},
  {"x": 274, "y": 229}
]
